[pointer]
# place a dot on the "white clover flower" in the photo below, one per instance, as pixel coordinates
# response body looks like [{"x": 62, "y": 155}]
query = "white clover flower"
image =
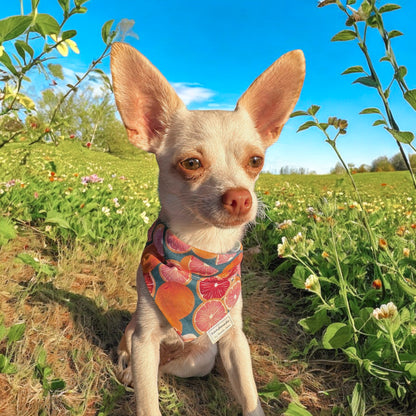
[
  {"x": 385, "y": 311},
  {"x": 312, "y": 283},
  {"x": 285, "y": 224},
  {"x": 281, "y": 248},
  {"x": 105, "y": 211},
  {"x": 144, "y": 217},
  {"x": 298, "y": 237}
]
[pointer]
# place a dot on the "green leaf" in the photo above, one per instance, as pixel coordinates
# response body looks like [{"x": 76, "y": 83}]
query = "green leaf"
[
  {"x": 57, "y": 384},
  {"x": 81, "y": 10},
  {"x": 379, "y": 122},
  {"x": 13, "y": 26},
  {"x": 358, "y": 400},
  {"x": 351, "y": 353},
  {"x": 401, "y": 136},
  {"x": 7, "y": 231},
  {"x": 29, "y": 260},
  {"x": 19, "y": 49},
  {"x": 272, "y": 390},
  {"x": 41, "y": 268},
  {"x": 68, "y": 34},
  {"x": 65, "y": 6},
  {"x": 367, "y": 81},
  {"x": 370, "y": 110},
  {"x": 5, "y": 366},
  {"x": 105, "y": 31},
  {"x": 315, "y": 322},
  {"x": 401, "y": 73},
  {"x": 57, "y": 71},
  {"x": 299, "y": 113},
  {"x": 411, "y": 369},
  {"x": 307, "y": 125},
  {"x": 54, "y": 217},
  {"x": 353, "y": 69},
  {"x": 3, "y": 332},
  {"x": 16, "y": 333},
  {"x": 41, "y": 359},
  {"x": 394, "y": 34},
  {"x": 313, "y": 109},
  {"x": 79, "y": 3},
  {"x": 407, "y": 287},
  {"x": 389, "y": 7},
  {"x": 299, "y": 277},
  {"x": 410, "y": 97},
  {"x": 46, "y": 25},
  {"x": 344, "y": 35},
  {"x": 23, "y": 47},
  {"x": 295, "y": 410},
  {"x": 336, "y": 335}
]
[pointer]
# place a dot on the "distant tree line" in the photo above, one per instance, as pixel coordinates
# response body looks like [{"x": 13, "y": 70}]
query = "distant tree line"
[
  {"x": 288, "y": 170},
  {"x": 381, "y": 164}
]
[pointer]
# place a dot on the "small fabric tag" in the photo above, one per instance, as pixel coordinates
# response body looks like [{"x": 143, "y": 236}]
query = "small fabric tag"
[{"x": 220, "y": 328}]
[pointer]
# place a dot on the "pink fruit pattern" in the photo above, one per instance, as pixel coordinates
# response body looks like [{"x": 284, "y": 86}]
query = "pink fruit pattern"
[
  {"x": 211, "y": 282},
  {"x": 212, "y": 288},
  {"x": 232, "y": 295},
  {"x": 207, "y": 314}
]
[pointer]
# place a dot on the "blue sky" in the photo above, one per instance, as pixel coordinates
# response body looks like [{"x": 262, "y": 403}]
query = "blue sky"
[{"x": 212, "y": 50}]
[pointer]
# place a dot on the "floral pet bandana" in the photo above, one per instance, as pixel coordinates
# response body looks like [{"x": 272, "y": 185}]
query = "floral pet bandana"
[{"x": 194, "y": 289}]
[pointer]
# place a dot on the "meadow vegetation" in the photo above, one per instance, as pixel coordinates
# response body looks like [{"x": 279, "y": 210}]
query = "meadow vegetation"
[
  {"x": 71, "y": 239},
  {"x": 329, "y": 280}
]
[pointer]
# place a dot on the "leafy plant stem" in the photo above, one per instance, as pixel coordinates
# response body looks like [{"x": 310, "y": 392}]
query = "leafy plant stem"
[
  {"x": 343, "y": 287},
  {"x": 393, "y": 344},
  {"x": 332, "y": 143},
  {"x": 392, "y": 121}
]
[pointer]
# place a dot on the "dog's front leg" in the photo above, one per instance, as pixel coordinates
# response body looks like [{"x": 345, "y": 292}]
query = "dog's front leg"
[
  {"x": 145, "y": 366},
  {"x": 235, "y": 355},
  {"x": 145, "y": 355}
]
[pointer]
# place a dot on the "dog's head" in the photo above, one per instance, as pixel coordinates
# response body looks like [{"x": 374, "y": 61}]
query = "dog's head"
[{"x": 208, "y": 160}]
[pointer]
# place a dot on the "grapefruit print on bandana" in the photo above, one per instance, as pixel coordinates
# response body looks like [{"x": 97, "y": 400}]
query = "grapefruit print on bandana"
[{"x": 194, "y": 289}]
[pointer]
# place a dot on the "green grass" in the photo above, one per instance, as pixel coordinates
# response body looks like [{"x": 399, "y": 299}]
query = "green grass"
[{"x": 68, "y": 254}]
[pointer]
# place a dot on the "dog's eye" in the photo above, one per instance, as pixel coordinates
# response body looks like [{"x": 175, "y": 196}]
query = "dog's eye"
[
  {"x": 255, "y": 162},
  {"x": 191, "y": 164}
]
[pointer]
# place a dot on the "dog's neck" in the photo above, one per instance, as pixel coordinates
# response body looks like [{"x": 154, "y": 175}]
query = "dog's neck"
[{"x": 202, "y": 235}]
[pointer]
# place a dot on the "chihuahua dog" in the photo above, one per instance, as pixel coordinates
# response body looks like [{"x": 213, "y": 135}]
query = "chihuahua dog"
[{"x": 188, "y": 284}]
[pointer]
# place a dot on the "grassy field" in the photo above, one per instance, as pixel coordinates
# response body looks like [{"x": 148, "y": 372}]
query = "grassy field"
[{"x": 317, "y": 265}]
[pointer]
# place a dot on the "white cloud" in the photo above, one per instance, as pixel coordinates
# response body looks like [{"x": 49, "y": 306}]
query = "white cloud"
[
  {"x": 192, "y": 93},
  {"x": 93, "y": 82}
]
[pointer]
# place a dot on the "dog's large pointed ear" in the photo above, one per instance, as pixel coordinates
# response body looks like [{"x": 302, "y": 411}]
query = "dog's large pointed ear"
[
  {"x": 144, "y": 98},
  {"x": 270, "y": 99}
]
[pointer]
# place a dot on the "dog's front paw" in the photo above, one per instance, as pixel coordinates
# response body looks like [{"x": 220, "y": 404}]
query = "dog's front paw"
[
  {"x": 123, "y": 369},
  {"x": 258, "y": 411}
]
